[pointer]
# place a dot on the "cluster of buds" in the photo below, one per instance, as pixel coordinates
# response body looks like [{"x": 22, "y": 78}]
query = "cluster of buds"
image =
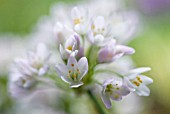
[{"x": 84, "y": 43}]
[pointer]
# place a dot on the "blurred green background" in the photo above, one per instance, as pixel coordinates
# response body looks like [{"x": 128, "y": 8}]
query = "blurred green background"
[{"x": 152, "y": 45}]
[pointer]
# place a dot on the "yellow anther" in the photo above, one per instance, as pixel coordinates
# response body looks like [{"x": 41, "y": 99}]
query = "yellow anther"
[
  {"x": 136, "y": 83},
  {"x": 76, "y": 21},
  {"x": 77, "y": 69},
  {"x": 69, "y": 71},
  {"x": 117, "y": 88},
  {"x": 92, "y": 27},
  {"x": 139, "y": 79},
  {"x": 69, "y": 47}
]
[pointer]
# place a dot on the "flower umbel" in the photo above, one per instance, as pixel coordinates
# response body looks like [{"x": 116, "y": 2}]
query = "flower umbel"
[{"x": 74, "y": 71}]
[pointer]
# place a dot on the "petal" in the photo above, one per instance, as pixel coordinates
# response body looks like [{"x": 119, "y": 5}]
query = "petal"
[
  {"x": 62, "y": 71},
  {"x": 43, "y": 70},
  {"x": 75, "y": 85},
  {"x": 75, "y": 13},
  {"x": 146, "y": 80},
  {"x": 124, "y": 49},
  {"x": 99, "y": 22},
  {"x": 116, "y": 97},
  {"x": 98, "y": 38},
  {"x": 63, "y": 53},
  {"x": 129, "y": 84},
  {"x": 42, "y": 51},
  {"x": 83, "y": 67},
  {"x": 91, "y": 37},
  {"x": 105, "y": 55},
  {"x": 124, "y": 90},
  {"x": 72, "y": 62},
  {"x": 106, "y": 100},
  {"x": 140, "y": 70},
  {"x": 143, "y": 90}
]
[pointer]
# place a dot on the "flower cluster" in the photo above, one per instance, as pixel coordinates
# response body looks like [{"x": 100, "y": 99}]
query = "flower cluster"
[{"x": 83, "y": 43}]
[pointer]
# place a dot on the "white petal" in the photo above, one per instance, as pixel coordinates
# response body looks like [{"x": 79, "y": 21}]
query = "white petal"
[
  {"x": 63, "y": 53},
  {"x": 75, "y": 13},
  {"x": 140, "y": 70},
  {"x": 75, "y": 85},
  {"x": 91, "y": 37},
  {"x": 42, "y": 51},
  {"x": 72, "y": 62},
  {"x": 62, "y": 71},
  {"x": 83, "y": 67},
  {"x": 98, "y": 39},
  {"x": 43, "y": 70},
  {"x": 146, "y": 80},
  {"x": 143, "y": 90},
  {"x": 124, "y": 49},
  {"x": 106, "y": 101}
]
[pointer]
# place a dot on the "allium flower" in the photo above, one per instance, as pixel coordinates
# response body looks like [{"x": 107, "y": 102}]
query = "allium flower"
[
  {"x": 80, "y": 20},
  {"x": 74, "y": 71},
  {"x": 22, "y": 74},
  {"x": 72, "y": 44},
  {"x": 39, "y": 59},
  {"x": 112, "y": 52},
  {"x": 113, "y": 89},
  {"x": 138, "y": 82},
  {"x": 98, "y": 30}
]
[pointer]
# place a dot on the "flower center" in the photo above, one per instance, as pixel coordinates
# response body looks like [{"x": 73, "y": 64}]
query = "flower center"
[
  {"x": 137, "y": 81},
  {"x": 73, "y": 74}
]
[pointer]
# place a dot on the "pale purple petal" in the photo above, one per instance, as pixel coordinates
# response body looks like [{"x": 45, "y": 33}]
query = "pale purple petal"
[
  {"x": 116, "y": 97},
  {"x": 83, "y": 67},
  {"x": 72, "y": 62},
  {"x": 106, "y": 100},
  {"x": 124, "y": 90},
  {"x": 124, "y": 49},
  {"x": 62, "y": 71}
]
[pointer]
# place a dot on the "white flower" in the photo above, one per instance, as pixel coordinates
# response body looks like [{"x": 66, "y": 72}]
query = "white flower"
[
  {"x": 80, "y": 20},
  {"x": 99, "y": 30},
  {"x": 72, "y": 44},
  {"x": 114, "y": 89},
  {"x": 39, "y": 59},
  {"x": 74, "y": 71},
  {"x": 138, "y": 82}
]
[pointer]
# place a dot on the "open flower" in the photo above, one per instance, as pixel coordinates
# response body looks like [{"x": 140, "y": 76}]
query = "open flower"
[
  {"x": 80, "y": 20},
  {"x": 138, "y": 82},
  {"x": 39, "y": 59},
  {"x": 114, "y": 89},
  {"x": 112, "y": 52},
  {"x": 74, "y": 71},
  {"x": 71, "y": 45},
  {"x": 98, "y": 31}
]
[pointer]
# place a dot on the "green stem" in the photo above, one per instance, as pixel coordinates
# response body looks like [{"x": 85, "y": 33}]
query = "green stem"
[{"x": 96, "y": 103}]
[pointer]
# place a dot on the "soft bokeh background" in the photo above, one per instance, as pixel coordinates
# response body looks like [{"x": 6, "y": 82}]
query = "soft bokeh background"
[{"x": 152, "y": 44}]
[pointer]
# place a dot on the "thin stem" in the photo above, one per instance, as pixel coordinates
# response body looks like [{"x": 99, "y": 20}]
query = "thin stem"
[{"x": 96, "y": 103}]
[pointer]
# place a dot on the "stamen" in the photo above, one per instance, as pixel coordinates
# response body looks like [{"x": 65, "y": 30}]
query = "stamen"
[
  {"x": 72, "y": 65},
  {"x": 136, "y": 83},
  {"x": 69, "y": 71},
  {"x": 69, "y": 48},
  {"x": 76, "y": 21}
]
